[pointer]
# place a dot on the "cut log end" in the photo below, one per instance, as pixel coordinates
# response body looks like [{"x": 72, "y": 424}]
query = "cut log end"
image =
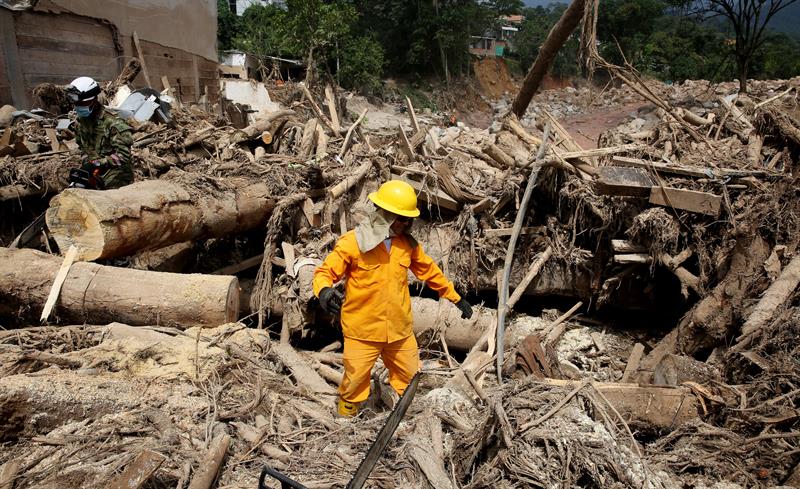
[
  {"x": 232, "y": 302},
  {"x": 81, "y": 229}
]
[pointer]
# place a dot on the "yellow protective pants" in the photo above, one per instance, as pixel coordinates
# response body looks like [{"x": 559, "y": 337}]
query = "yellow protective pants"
[{"x": 401, "y": 358}]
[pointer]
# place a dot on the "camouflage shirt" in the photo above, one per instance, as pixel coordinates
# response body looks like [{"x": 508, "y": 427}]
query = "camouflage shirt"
[{"x": 107, "y": 138}]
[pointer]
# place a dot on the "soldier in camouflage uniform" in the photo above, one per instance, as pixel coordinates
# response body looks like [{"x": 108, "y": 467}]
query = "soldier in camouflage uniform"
[{"x": 104, "y": 138}]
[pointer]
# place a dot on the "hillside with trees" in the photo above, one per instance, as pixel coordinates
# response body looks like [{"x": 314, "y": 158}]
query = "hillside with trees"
[{"x": 360, "y": 42}]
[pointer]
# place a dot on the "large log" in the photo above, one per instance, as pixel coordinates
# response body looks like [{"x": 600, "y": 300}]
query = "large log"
[
  {"x": 97, "y": 294},
  {"x": 150, "y": 215},
  {"x": 460, "y": 334}
]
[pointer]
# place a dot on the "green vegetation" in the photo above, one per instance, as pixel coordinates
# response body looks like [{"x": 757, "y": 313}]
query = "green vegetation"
[
  {"x": 360, "y": 41},
  {"x": 661, "y": 39}
]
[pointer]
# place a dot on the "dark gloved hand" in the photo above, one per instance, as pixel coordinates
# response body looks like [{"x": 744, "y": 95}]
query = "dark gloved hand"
[
  {"x": 465, "y": 308},
  {"x": 331, "y": 300}
]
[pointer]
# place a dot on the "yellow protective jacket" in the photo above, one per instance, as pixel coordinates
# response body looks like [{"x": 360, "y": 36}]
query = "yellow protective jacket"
[{"x": 377, "y": 305}]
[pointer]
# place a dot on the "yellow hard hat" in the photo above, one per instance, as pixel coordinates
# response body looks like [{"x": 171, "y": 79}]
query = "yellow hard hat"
[{"x": 397, "y": 197}]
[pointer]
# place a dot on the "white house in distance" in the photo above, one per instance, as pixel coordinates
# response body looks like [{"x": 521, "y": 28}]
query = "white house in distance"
[{"x": 239, "y": 6}]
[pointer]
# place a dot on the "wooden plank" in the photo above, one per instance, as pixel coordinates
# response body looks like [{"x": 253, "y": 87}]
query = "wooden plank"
[
  {"x": 689, "y": 200},
  {"x": 141, "y": 58},
  {"x": 8, "y": 44},
  {"x": 428, "y": 195},
  {"x": 53, "y": 137},
  {"x": 493, "y": 233},
  {"x": 685, "y": 170},
  {"x": 138, "y": 472},
  {"x": 625, "y": 246},
  {"x": 654, "y": 406},
  {"x": 405, "y": 145},
  {"x": 632, "y": 258},
  {"x": 624, "y": 181},
  {"x": 58, "y": 282},
  {"x": 633, "y": 362}
]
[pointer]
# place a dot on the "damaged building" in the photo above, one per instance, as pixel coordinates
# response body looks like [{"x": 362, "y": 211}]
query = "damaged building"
[{"x": 55, "y": 41}]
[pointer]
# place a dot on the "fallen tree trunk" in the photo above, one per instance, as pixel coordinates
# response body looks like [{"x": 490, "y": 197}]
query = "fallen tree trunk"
[
  {"x": 709, "y": 322},
  {"x": 775, "y": 296},
  {"x": 149, "y": 215},
  {"x": 97, "y": 294},
  {"x": 547, "y": 52},
  {"x": 460, "y": 334}
]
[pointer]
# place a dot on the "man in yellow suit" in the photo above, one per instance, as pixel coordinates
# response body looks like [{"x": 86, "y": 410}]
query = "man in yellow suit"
[{"x": 376, "y": 314}]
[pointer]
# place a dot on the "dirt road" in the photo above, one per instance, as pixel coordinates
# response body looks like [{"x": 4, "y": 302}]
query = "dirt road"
[{"x": 586, "y": 128}]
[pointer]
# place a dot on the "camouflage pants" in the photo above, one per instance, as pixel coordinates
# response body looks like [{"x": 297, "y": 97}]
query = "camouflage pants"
[{"x": 118, "y": 177}]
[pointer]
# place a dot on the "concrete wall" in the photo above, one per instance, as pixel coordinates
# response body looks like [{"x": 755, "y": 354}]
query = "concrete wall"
[
  {"x": 189, "y": 25},
  {"x": 249, "y": 93},
  {"x": 51, "y": 45}
]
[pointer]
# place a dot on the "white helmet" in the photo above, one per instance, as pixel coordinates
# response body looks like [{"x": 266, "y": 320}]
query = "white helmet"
[{"x": 83, "y": 89}]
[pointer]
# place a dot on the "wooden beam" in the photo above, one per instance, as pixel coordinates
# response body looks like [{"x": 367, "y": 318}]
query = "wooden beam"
[
  {"x": 494, "y": 233},
  {"x": 686, "y": 170},
  {"x": 689, "y": 200},
  {"x": 405, "y": 145},
  {"x": 624, "y": 181},
  {"x": 632, "y": 258},
  {"x": 431, "y": 196},
  {"x": 648, "y": 405},
  {"x": 8, "y": 44},
  {"x": 52, "y": 135},
  {"x": 55, "y": 290},
  {"x": 633, "y": 362},
  {"x": 141, "y": 58},
  {"x": 625, "y": 246},
  {"x": 594, "y": 153}
]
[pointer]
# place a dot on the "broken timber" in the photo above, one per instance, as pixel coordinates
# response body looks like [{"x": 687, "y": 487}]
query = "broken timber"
[
  {"x": 647, "y": 406},
  {"x": 688, "y": 200}
]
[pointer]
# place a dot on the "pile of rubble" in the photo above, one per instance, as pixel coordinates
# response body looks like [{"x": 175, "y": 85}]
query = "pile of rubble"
[{"x": 687, "y": 212}]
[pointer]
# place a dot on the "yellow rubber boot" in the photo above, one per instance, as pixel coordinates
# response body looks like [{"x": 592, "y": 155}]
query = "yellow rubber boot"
[{"x": 347, "y": 409}]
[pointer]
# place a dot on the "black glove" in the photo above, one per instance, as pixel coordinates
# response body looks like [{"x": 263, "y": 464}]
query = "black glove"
[
  {"x": 331, "y": 300},
  {"x": 465, "y": 308}
]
